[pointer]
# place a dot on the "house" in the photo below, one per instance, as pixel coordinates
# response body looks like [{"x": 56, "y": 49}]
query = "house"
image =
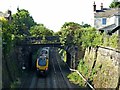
[
  {"x": 107, "y": 19},
  {"x": 7, "y": 15}
]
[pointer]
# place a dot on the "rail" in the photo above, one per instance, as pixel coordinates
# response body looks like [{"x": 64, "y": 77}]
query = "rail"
[
  {"x": 69, "y": 86},
  {"x": 60, "y": 73}
]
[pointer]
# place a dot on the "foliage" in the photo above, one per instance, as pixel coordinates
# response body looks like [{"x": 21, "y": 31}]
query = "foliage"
[
  {"x": 113, "y": 41},
  {"x": 86, "y": 25},
  {"x": 6, "y": 35},
  {"x": 40, "y": 30},
  {"x": 88, "y": 36},
  {"x": 71, "y": 25},
  {"x": 110, "y": 41},
  {"x": 98, "y": 39},
  {"x": 22, "y": 22},
  {"x": 13, "y": 32},
  {"x": 21, "y": 26},
  {"x": 85, "y": 37},
  {"x": 74, "y": 34},
  {"x": 76, "y": 79},
  {"x": 67, "y": 33},
  {"x": 83, "y": 69},
  {"x": 70, "y": 34},
  {"x": 115, "y": 4}
]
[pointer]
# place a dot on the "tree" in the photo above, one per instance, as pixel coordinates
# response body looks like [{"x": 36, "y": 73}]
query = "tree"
[
  {"x": 71, "y": 25},
  {"x": 88, "y": 36},
  {"x": 6, "y": 34},
  {"x": 22, "y": 22},
  {"x": 67, "y": 33},
  {"x": 85, "y": 25},
  {"x": 115, "y": 4},
  {"x": 40, "y": 30}
]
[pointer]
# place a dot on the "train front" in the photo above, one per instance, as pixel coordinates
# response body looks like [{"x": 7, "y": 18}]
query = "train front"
[{"x": 42, "y": 65}]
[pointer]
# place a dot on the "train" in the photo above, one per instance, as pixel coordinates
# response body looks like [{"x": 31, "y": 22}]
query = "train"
[{"x": 42, "y": 62}]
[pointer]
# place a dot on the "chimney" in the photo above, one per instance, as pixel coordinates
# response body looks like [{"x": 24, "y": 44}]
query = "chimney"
[
  {"x": 101, "y": 6},
  {"x": 10, "y": 16},
  {"x": 18, "y": 9},
  {"x": 94, "y": 6}
]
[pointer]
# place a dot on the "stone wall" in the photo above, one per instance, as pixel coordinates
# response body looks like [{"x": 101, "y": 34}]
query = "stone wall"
[
  {"x": 12, "y": 64},
  {"x": 106, "y": 63},
  {"x": 10, "y": 68}
]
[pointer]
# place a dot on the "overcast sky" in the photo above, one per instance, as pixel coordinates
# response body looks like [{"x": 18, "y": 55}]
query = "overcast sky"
[{"x": 54, "y": 13}]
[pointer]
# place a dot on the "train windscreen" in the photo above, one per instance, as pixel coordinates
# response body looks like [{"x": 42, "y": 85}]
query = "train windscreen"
[{"x": 42, "y": 62}]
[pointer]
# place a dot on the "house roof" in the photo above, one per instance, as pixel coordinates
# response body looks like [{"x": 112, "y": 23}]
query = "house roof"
[
  {"x": 115, "y": 29},
  {"x": 106, "y": 12},
  {"x": 110, "y": 29},
  {"x": 3, "y": 14}
]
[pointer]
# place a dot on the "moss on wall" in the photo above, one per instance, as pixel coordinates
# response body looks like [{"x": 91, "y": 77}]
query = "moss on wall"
[
  {"x": 107, "y": 71},
  {"x": 10, "y": 69},
  {"x": 89, "y": 57},
  {"x": 105, "y": 63},
  {"x": 100, "y": 66}
]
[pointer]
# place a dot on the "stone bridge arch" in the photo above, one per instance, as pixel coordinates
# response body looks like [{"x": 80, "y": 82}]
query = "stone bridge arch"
[
  {"x": 32, "y": 44},
  {"x": 31, "y": 48}
]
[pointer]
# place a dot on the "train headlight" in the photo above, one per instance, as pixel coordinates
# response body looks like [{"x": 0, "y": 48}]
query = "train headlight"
[{"x": 46, "y": 69}]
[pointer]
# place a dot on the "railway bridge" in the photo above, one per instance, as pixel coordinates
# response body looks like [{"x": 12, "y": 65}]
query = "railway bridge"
[{"x": 32, "y": 44}]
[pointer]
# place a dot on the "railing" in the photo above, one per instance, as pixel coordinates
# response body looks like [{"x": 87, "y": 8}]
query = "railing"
[
  {"x": 82, "y": 78},
  {"x": 73, "y": 70}
]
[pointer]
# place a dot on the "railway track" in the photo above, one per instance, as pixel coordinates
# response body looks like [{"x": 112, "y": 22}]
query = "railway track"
[
  {"x": 56, "y": 77},
  {"x": 60, "y": 78}
]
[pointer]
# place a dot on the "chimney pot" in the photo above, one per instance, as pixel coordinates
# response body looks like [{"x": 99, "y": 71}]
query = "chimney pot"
[
  {"x": 101, "y": 6},
  {"x": 94, "y": 6}
]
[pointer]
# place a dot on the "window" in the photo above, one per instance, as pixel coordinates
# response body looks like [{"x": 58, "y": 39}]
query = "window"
[
  {"x": 103, "y": 21},
  {"x": 42, "y": 61}
]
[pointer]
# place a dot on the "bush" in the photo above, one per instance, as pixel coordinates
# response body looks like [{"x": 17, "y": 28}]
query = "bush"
[{"x": 84, "y": 70}]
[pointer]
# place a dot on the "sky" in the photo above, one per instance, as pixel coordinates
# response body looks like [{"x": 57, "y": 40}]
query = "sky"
[{"x": 54, "y": 13}]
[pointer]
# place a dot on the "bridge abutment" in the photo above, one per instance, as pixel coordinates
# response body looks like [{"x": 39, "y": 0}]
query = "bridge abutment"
[{"x": 69, "y": 59}]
